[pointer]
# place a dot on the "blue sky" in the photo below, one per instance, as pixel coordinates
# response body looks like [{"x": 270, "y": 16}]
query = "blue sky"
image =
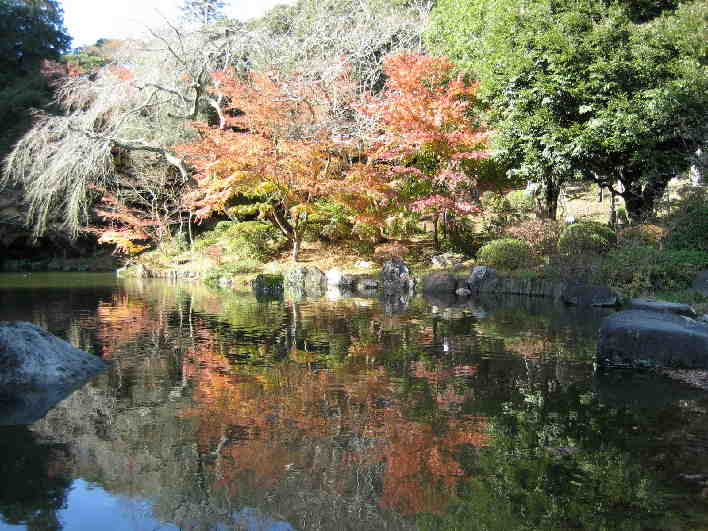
[{"x": 89, "y": 20}]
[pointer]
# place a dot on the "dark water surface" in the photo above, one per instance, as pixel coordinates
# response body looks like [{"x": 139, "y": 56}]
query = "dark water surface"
[{"x": 224, "y": 412}]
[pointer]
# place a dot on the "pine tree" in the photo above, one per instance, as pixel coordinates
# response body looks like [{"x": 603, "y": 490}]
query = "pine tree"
[{"x": 203, "y": 11}]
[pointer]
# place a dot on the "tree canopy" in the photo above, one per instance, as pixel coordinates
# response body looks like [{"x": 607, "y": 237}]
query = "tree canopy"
[{"x": 610, "y": 91}]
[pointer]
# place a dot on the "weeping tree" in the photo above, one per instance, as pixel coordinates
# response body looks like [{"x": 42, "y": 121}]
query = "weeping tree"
[{"x": 113, "y": 139}]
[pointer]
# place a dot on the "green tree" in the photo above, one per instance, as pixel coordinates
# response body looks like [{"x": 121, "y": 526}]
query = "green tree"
[
  {"x": 30, "y": 31},
  {"x": 611, "y": 91}
]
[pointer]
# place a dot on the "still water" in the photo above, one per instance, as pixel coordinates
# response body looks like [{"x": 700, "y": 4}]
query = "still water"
[{"x": 223, "y": 412}]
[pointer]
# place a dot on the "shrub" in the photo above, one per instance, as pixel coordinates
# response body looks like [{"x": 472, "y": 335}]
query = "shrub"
[
  {"x": 245, "y": 265},
  {"x": 646, "y": 234},
  {"x": 498, "y": 212},
  {"x": 506, "y": 253},
  {"x": 521, "y": 202},
  {"x": 688, "y": 226},
  {"x": 540, "y": 234},
  {"x": 245, "y": 240},
  {"x": 586, "y": 237},
  {"x": 641, "y": 269}
]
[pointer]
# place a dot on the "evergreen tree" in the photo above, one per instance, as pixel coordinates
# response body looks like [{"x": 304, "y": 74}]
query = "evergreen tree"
[{"x": 608, "y": 91}]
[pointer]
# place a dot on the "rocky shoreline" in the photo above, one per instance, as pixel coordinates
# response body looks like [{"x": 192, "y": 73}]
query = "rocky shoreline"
[{"x": 642, "y": 334}]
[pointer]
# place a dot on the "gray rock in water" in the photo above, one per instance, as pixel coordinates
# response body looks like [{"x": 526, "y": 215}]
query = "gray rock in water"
[
  {"x": 396, "y": 276},
  {"x": 267, "y": 286},
  {"x": 662, "y": 306},
  {"x": 482, "y": 278},
  {"x": 366, "y": 284},
  {"x": 589, "y": 295},
  {"x": 641, "y": 338},
  {"x": 31, "y": 357},
  {"x": 336, "y": 278},
  {"x": 700, "y": 283},
  {"x": 306, "y": 281},
  {"x": 447, "y": 260},
  {"x": 440, "y": 283}
]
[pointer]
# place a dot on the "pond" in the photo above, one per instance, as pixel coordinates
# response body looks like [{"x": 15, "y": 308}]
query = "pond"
[{"x": 222, "y": 411}]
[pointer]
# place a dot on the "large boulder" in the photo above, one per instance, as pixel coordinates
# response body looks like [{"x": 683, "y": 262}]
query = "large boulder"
[
  {"x": 662, "y": 306},
  {"x": 482, "y": 279},
  {"x": 396, "y": 276},
  {"x": 447, "y": 260},
  {"x": 440, "y": 283},
  {"x": 700, "y": 283},
  {"x": 590, "y": 295},
  {"x": 641, "y": 338},
  {"x": 31, "y": 357},
  {"x": 267, "y": 286},
  {"x": 336, "y": 278},
  {"x": 306, "y": 281}
]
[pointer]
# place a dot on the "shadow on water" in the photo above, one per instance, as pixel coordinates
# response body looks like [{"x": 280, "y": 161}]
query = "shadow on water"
[
  {"x": 25, "y": 406},
  {"x": 35, "y": 477},
  {"x": 224, "y": 411}
]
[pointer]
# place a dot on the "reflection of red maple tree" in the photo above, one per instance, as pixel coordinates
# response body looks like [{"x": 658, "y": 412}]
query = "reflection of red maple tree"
[{"x": 260, "y": 426}]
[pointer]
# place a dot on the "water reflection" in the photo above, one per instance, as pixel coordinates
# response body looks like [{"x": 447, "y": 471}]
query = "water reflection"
[{"x": 225, "y": 412}]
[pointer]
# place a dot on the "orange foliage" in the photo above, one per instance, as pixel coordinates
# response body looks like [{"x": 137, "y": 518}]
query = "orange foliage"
[
  {"x": 250, "y": 422},
  {"x": 424, "y": 109}
]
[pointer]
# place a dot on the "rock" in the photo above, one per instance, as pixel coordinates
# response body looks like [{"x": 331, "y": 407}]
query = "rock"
[
  {"x": 396, "y": 302},
  {"x": 482, "y": 278},
  {"x": 334, "y": 293},
  {"x": 363, "y": 264},
  {"x": 704, "y": 318},
  {"x": 140, "y": 271},
  {"x": 440, "y": 283},
  {"x": 463, "y": 292},
  {"x": 367, "y": 284},
  {"x": 662, "y": 306},
  {"x": 447, "y": 260},
  {"x": 700, "y": 283},
  {"x": 267, "y": 286},
  {"x": 335, "y": 277},
  {"x": 641, "y": 338},
  {"x": 590, "y": 295},
  {"x": 308, "y": 279},
  {"x": 396, "y": 276},
  {"x": 32, "y": 357}
]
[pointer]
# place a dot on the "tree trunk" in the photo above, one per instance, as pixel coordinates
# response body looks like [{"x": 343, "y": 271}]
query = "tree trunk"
[
  {"x": 550, "y": 199},
  {"x": 640, "y": 202},
  {"x": 297, "y": 241}
]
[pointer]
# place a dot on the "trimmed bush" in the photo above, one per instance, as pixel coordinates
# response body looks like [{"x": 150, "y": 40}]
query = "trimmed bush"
[
  {"x": 507, "y": 253},
  {"x": 587, "y": 237},
  {"x": 642, "y": 269},
  {"x": 688, "y": 227}
]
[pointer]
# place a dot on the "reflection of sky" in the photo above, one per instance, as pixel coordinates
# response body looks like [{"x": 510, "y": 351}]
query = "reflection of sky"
[{"x": 91, "y": 508}]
